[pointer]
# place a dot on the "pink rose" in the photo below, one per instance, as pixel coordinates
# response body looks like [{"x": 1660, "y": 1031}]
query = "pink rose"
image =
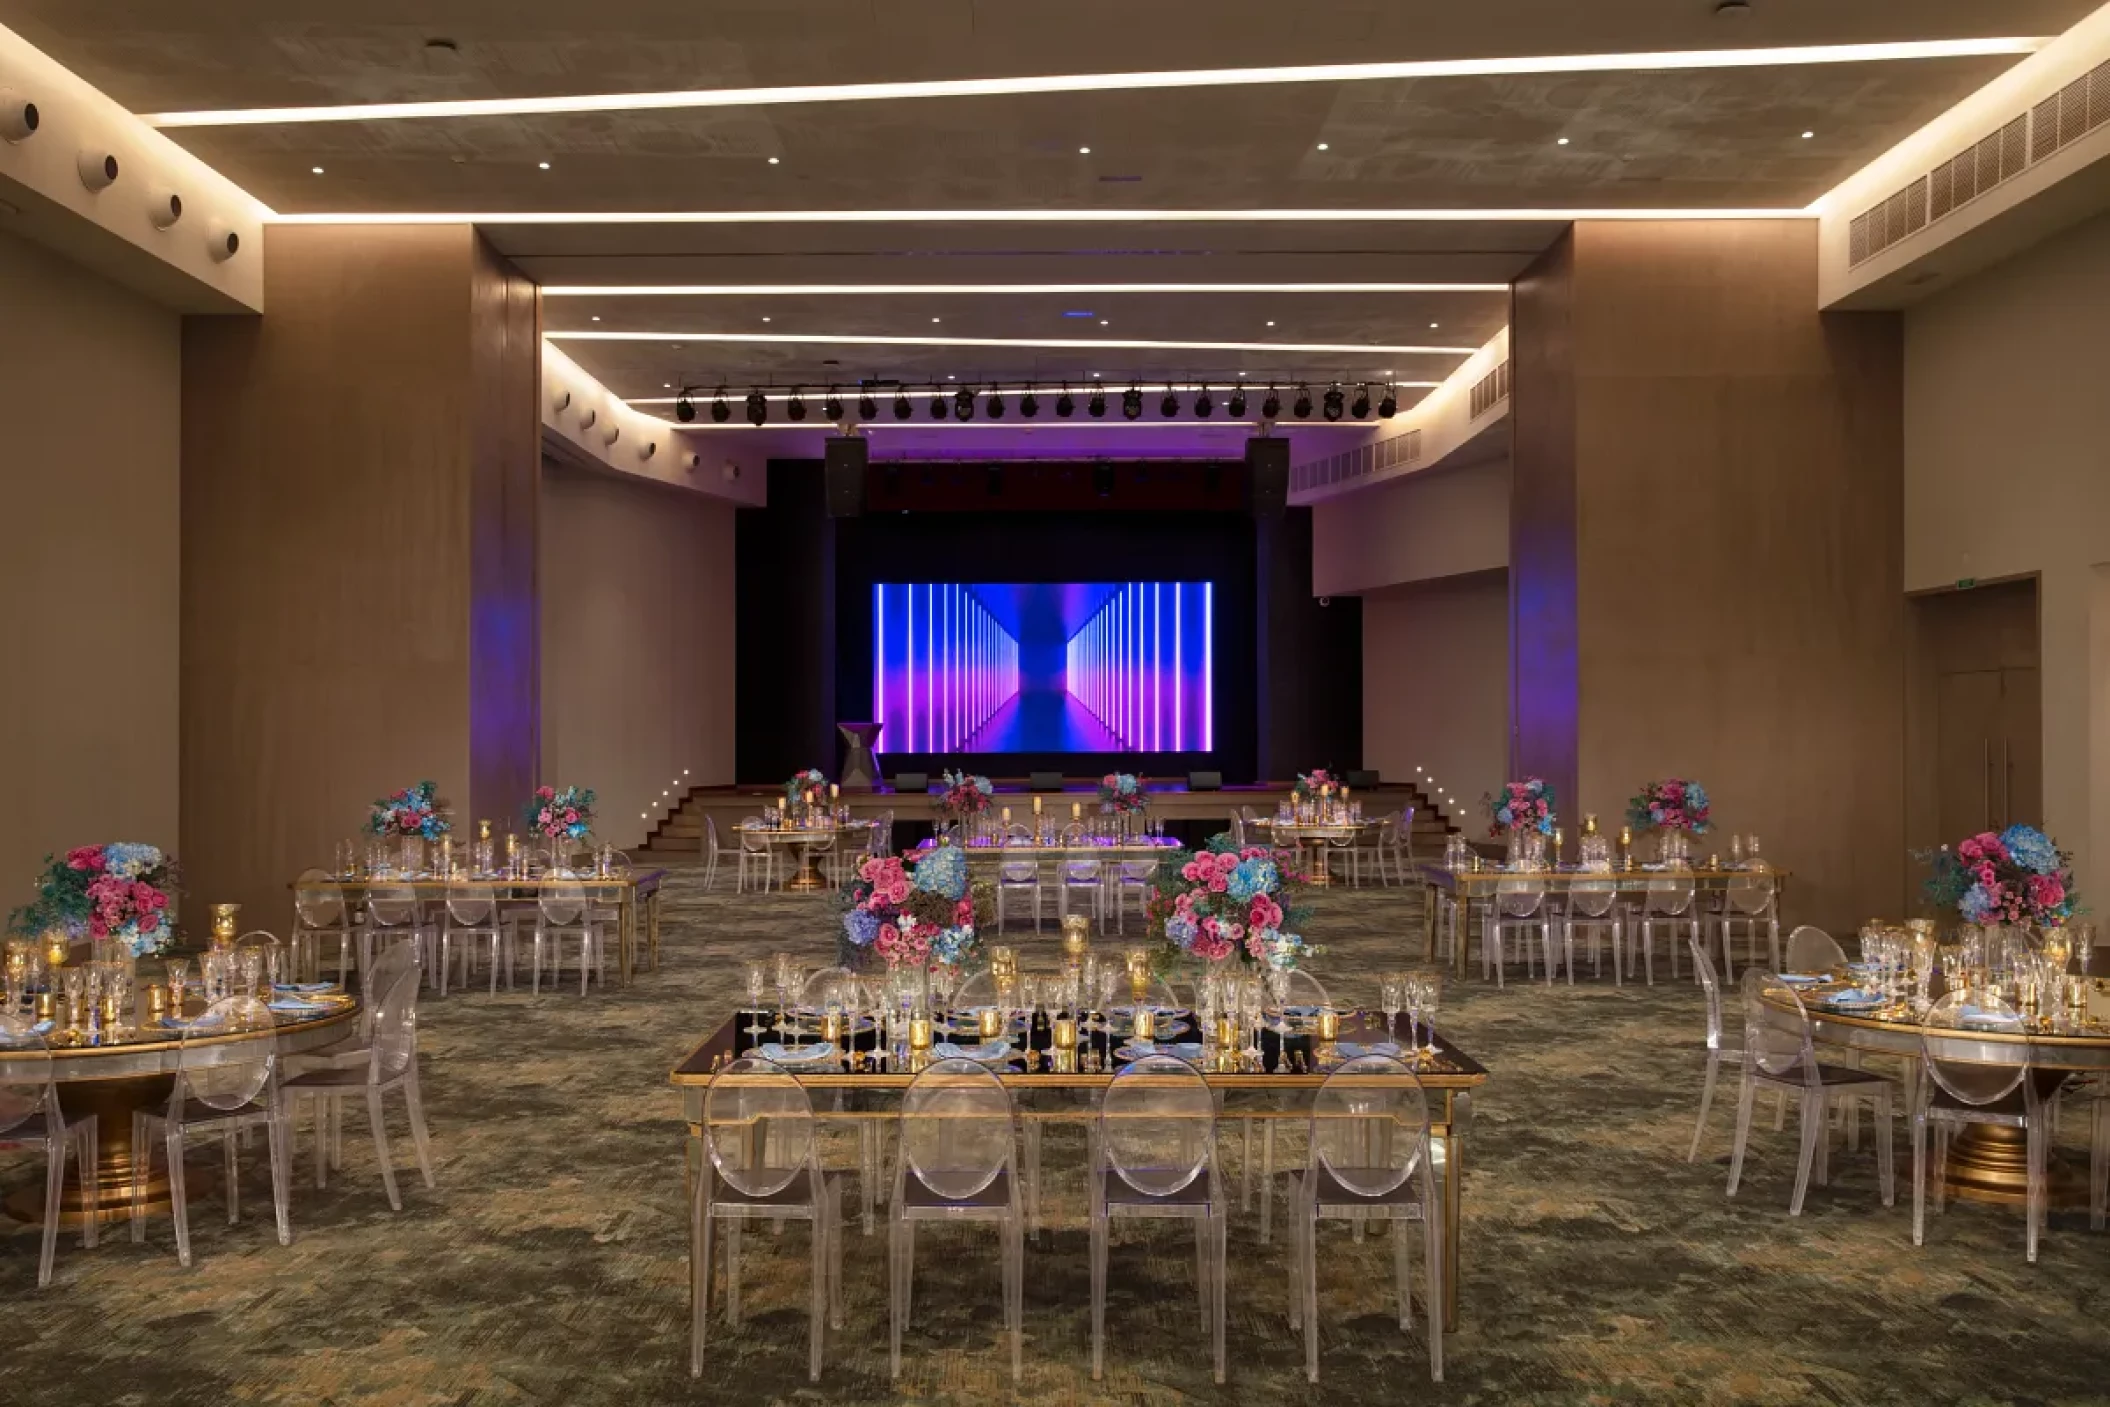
[
  {"x": 87, "y": 857},
  {"x": 1256, "y": 946},
  {"x": 1192, "y": 871},
  {"x": 963, "y": 913},
  {"x": 1226, "y": 862},
  {"x": 1218, "y": 884},
  {"x": 2045, "y": 891},
  {"x": 1265, "y": 913},
  {"x": 570, "y": 815}
]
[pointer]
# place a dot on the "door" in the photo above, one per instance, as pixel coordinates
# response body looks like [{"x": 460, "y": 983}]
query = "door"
[
  {"x": 2021, "y": 748},
  {"x": 1989, "y": 768}
]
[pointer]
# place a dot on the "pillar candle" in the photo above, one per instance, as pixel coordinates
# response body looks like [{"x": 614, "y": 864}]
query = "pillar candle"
[{"x": 1036, "y": 806}]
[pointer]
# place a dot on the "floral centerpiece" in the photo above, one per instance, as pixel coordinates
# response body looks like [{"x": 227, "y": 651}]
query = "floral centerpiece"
[
  {"x": 561, "y": 815},
  {"x": 1310, "y": 786},
  {"x": 1521, "y": 806},
  {"x": 408, "y": 813},
  {"x": 119, "y": 891},
  {"x": 915, "y": 911},
  {"x": 805, "y": 788},
  {"x": 1673, "y": 804},
  {"x": 965, "y": 796},
  {"x": 1222, "y": 902},
  {"x": 1121, "y": 794},
  {"x": 2013, "y": 876}
]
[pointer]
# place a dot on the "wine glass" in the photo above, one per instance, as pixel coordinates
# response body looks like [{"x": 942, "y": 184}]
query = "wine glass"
[
  {"x": 1431, "y": 994},
  {"x": 252, "y": 960},
  {"x": 757, "y": 988},
  {"x": 1391, "y": 996}
]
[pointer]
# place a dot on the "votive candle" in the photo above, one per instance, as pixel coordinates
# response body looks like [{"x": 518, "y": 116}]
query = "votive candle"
[{"x": 989, "y": 1023}]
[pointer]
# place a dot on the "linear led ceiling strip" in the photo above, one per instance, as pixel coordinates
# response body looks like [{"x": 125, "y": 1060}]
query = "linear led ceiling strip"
[
  {"x": 1053, "y": 343},
  {"x": 735, "y": 290},
  {"x": 1028, "y": 217}
]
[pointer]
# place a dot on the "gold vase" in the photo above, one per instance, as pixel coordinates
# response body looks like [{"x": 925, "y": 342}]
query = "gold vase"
[
  {"x": 1076, "y": 939},
  {"x": 226, "y": 923}
]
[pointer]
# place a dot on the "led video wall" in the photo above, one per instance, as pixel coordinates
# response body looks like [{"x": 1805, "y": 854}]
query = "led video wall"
[{"x": 1043, "y": 667}]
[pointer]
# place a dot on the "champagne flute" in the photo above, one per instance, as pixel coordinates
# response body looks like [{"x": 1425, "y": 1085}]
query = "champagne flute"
[
  {"x": 252, "y": 961},
  {"x": 757, "y": 988},
  {"x": 1431, "y": 993},
  {"x": 1390, "y": 998}
]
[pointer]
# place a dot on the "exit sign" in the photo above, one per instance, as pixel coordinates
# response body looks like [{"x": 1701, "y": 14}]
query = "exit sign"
[{"x": 1965, "y": 583}]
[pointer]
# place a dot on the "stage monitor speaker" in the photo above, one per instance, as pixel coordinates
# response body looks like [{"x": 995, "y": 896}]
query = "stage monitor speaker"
[
  {"x": 912, "y": 781},
  {"x": 1267, "y": 476},
  {"x": 1044, "y": 781},
  {"x": 844, "y": 470},
  {"x": 1205, "y": 781},
  {"x": 1361, "y": 781}
]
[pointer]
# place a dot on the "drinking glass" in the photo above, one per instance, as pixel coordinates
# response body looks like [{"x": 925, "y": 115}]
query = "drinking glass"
[
  {"x": 1431, "y": 992},
  {"x": 252, "y": 960},
  {"x": 1391, "y": 997}
]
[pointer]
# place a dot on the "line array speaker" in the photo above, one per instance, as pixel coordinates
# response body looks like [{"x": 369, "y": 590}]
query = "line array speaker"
[
  {"x": 1267, "y": 476},
  {"x": 844, "y": 471}
]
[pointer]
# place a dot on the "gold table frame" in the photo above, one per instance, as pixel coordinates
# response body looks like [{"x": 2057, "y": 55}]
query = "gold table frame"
[
  {"x": 809, "y": 879},
  {"x": 1318, "y": 837},
  {"x": 1449, "y": 1092},
  {"x": 638, "y": 890}
]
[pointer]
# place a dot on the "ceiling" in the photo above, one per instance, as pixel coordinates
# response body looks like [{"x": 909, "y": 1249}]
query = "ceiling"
[{"x": 1704, "y": 138}]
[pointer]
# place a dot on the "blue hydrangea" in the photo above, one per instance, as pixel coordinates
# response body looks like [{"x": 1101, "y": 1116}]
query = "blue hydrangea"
[
  {"x": 861, "y": 927},
  {"x": 943, "y": 871},
  {"x": 1252, "y": 878},
  {"x": 1975, "y": 906},
  {"x": 1695, "y": 797},
  {"x": 2031, "y": 848},
  {"x": 1182, "y": 930},
  {"x": 1284, "y": 950},
  {"x": 130, "y": 861},
  {"x": 952, "y": 945}
]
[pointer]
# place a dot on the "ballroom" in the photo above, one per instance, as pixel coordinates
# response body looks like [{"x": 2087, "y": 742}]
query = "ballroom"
[{"x": 711, "y": 699}]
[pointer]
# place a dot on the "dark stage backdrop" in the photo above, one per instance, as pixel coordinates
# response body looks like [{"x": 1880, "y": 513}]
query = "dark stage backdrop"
[{"x": 805, "y": 634}]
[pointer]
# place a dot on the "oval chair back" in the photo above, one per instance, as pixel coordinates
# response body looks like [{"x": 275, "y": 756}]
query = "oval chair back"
[
  {"x": 758, "y": 1127},
  {"x": 222, "y": 1074},
  {"x": 1157, "y": 1125},
  {"x": 957, "y": 1131},
  {"x": 1777, "y": 1039},
  {"x": 25, "y": 1073},
  {"x": 1370, "y": 1127},
  {"x": 1811, "y": 949}
]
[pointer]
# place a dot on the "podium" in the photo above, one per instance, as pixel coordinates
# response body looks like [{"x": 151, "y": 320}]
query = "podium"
[{"x": 860, "y": 768}]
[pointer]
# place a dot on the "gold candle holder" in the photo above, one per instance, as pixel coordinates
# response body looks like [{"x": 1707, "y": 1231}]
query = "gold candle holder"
[
  {"x": 226, "y": 923},
  {"x": 832, "y": 1027},
  {"x": 1329, "y": 1025},
  {"x": 1076, "y": 810},
  {"x": 1007, "y": 815},
  {"x": 1076, "y": 938},
  {"x": 1226, "y": 1032},
  {"x": 1590, "y": 823},
  {"x": 157, "y": 1001},
  {"x": 47, "y": 1006},
  {"x": 1146, "y": 1022},
  {"x": 55, "y": 950},
  {"x": 1065, "y": 1029},
  {"x": 989, "y": 1023},
  {"x": 1036, "y": 806},
  {"x": 919, "y": 1033}
]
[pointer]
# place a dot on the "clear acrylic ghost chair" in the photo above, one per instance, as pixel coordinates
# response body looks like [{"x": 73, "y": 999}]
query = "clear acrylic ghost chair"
[
  {"x": 838, "y": 988},
  {"x": 1668, "y": 903},
  {"x": 761, "y": 1162},
  {"x": 31, "y": 1117},
  {"x": 1780, "y": 1055},
  {"x": 390, "y": 1065},
  {"x": 958, "y": 1163},
  {"x": 1519, "y": 906},
  {"x": 1987, "y": 1082},
  {"x": 1370, "y": 1159},
  {"x": 1137, "y": 878},
  {"x": 1373, "y": 842},
  {"x": 1723, "y": 1045},
  {"x": 1301, "y": 990},
  {"x": 1083, "y": 880},
  {"x": 1154, "y": 1156},
  {"x": 1749, "y": 901},
  {"x": 758, "y": 856},
  {"x": 392, "y": 916},
  {"x": 471, "y": 914},
  {"x": 605, "y": 898},
  {"x": 1812, "y": 950},
  {"x": 353, "y": 1050},
  {"x": 715, "y": 852},
  {"x": 563, "y": 911},
  {"x": 1403, "y": 844},
  {"x": 1017, "y": 878},
  {"x": 319, "y": 915},
  {"x": 222, "y": 1087},
  {"x": 1591, "y": 906}
]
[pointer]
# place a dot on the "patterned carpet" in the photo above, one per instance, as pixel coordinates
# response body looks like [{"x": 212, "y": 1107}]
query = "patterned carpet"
[{"x": 550, "y": 1264}]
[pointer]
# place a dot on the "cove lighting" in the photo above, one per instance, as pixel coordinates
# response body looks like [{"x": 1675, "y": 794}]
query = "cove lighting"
[
  {"x": 1037, "y": 385},
  {"x": 1508, "y": 215},
  {"x": 811, "y": 290},
  {"x": 861, "y": 339},
  {"x": 1101, "y": 82}
]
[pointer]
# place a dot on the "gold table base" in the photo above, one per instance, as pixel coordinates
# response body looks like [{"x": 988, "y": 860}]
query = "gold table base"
[
  {"x": 808, "y": 878},
  {"x": 1990, "y": 1163},
  {"x": 112, "y": 1103}
]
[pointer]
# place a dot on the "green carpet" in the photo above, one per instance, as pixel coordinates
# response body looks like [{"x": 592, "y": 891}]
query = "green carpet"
[{"x": 550, "y": 1264}]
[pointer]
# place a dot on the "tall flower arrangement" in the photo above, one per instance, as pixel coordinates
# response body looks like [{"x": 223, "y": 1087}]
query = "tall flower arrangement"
[
  {"x": 805, "y": 788},
  {"x": 411, "y": 811},
  {"x": 119, "y": 891},
  {"x": 1120, "y": 794},
  {"x": 1224, "y": 902},
  {"x": 2013, "y": 876},
  {"x": 561, "y": 815},
  {"x": 1521, "y": 806},
  {"x": 915, "y": 912},
  {"x": 1673, "y": 804},
  {"x": 1310, "y": 786},
  {"x": 965, "y": 796}
]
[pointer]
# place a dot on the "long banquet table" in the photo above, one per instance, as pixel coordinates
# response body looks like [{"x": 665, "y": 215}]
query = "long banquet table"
[
  {"x": 1470, "y": 887},
  {"x": 634, "y": 892},
  {"x": 1449, "y": 1080}
]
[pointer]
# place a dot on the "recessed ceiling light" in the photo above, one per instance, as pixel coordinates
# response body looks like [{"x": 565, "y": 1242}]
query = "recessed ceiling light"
[
  {"x": 1108, "y": 82},
  {"x": 1095, "y": 373},
  {"x": 1560, "y": 141},
  {"x": 1323, "y": 146},
  {"x": 1270, "y": 322},
  {"x": 542, "y": 165},
  {"x": 596, "y": 317},
  {"x": 1807, "y": 135},
  {"x": 856, "y": 339},
  {"x": 1102, "y": 322},
  {"x": 666, "y": 385},
  {"x": 1084, "y": 151},
  {"x": 773, "y": 161},
  {"x": 937, "y": 319},
  {"x": 316, "y": 169},
  {"x": 1434, "y": 325},
  {"x": 950, "y": 377}
]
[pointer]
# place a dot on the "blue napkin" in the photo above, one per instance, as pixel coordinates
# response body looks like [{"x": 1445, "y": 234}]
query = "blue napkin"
[
  {"x": 1136, "y": 1050},
  {"x": 1350, "y": 1050},
  {"x": 777, "y": 1053},
  {"x": 986, "y": 1053},
  {"x": 1969, "y": 1015},
  {"x": 1854, "y": 996},
  {"x": 294, "y": 1006}
]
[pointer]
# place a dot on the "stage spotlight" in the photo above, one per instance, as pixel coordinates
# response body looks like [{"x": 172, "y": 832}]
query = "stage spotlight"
[
  {"x": 1097, "y": 405},
  {"x": 796, "y": 406},
  {"x": 1132, "y": 403},
  {"x": 867, "y": 408},
  {"x": 996, "y": 403},
  {"x": 1103, "y": 479},
  {"x": 832, "y": 407},
  {"x": 1301, "y": 407},
  {"x": 757, "y": 407},
  {"x": 1029, "y": 404},
  {"x": 684, "y": 408},
  {"x": 1360, "y": 409},
  {"x": 1064, "y": 406},
  {"x": 1236, "y": 408},
  {"x": 963, "y": 404},
  {"x": 1331, "y": 402},
  {"x": 1271, "y": 408},
  {"x": 937, "y": 404},
  {"x": 902, "y": 409},
  {"x": 1203, "y": 406},
  {"x": 1170, "y": 406},
  {"x": 719, "y": 410},
  {"x": 1389, "y": 406}
]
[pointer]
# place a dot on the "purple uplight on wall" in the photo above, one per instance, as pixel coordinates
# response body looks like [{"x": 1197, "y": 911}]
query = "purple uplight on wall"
[{"x": 1041, "y": 667}]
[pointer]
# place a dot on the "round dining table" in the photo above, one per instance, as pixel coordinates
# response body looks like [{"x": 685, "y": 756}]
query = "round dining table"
[
  {"x": 1987, "y": 1162},
  {"x": 1316, "y": 840},
  {"x": 113, "y": 1075},
  {"x": 810, "y": 843}
]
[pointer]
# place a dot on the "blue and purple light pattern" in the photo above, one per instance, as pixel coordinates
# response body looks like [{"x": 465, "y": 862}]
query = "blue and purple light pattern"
[{"x": 1044, "y": 667}]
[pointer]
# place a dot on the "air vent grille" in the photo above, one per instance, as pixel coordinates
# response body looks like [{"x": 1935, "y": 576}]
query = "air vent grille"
[
  {"x": 1490, "y": 391},
  {"x": 1397, "y": 452},
  {"x": 2046, "y": 129}
]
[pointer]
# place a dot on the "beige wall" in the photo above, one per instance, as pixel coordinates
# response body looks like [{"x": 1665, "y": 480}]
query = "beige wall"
[
  {"x": 637, "y": 642},
  {"x": 1435, "y": 523},
  {"x": 1436, "y": 685},
  {"x": 88, "y": 563},
  {"x": 2007, "y": 473}
]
